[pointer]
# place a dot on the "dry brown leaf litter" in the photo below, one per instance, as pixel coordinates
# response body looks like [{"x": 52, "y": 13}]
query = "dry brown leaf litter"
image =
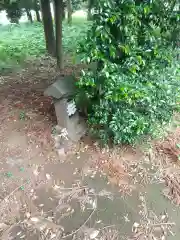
[{"x": 27, "y": 96}]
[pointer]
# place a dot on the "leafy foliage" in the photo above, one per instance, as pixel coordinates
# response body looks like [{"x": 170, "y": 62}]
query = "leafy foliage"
[
  {"x": 19, "y": 42},
  {"x": 13, "y": 10},
  {"x": 76, "y": 4},
  {"x": 135, "y": 85}
]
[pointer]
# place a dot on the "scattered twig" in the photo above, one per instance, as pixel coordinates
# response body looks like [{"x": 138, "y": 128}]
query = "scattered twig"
[
  {"x": 8, "y": 196},
  {"x": 71, "y": 234},
  {"x": 109, "y": 226},
  {"x": 87, "y": 220},
  {"x": 5, "y": 234},
  {"x": 161, "y": 224}
]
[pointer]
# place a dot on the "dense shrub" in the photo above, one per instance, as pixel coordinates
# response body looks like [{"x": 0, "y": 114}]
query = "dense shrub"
[
  {"x": 13, "y": 11},
  {"x": 135, "y": 85},
  {"x": 128, "y": 105}
]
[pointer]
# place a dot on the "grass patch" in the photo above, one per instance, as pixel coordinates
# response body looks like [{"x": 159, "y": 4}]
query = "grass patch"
[{"x": 20, "y": 42}]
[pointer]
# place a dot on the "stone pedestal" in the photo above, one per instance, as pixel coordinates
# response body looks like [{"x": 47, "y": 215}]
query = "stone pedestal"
[
  {"x": 68, "y": 118},
  {"x": 74, "y": 124}
]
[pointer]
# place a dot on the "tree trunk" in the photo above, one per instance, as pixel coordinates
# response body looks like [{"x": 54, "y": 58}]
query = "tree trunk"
[
  {"x": 89, "y": 14},
  {"x": 48, "y": 27},
  {"x": 69, "y": 10},
  {"x": 54, "y": 9},
  {"x": 29, "y": 15},
  {"x": 63, "y": 11},
  {"x": 36, "y": 8},
  {"x": 59, "y": 19},
  {"x": 38, "y": 16}
]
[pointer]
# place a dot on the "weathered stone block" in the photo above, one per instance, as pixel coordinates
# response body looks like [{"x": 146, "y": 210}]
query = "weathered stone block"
[{"x": 63, "y": 91}]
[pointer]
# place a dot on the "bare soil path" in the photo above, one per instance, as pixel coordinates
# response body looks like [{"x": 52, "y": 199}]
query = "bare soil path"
[{"x": 86, "y": 193}]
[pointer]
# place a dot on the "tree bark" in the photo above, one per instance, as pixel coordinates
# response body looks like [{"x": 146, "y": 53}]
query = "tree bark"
[
  {"x": 29, "y": 15},
  {"x": 36, "y": 8},
  {"x": 48, "y": 27},
  {"x": 54, "y": 9},
  {"x": 38, "y": 16},
  {"x": 59, "y": 19},
  {"x": 69, "y": 10},
  {"x": 63, "y": 10},
  {"x": 89, "y": 14}
]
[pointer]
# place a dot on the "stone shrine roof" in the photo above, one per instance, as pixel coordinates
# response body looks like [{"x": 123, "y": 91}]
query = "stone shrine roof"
[{"x": 63, "y": 87}]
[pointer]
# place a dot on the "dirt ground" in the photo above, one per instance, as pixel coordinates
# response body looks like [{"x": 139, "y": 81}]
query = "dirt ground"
[{"x": 85, "y": 192}]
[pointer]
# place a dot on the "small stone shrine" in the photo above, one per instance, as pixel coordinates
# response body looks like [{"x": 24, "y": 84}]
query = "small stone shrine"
[{"x": 62, "y": 91}]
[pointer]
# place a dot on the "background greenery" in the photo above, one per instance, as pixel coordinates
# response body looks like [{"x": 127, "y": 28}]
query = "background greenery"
[
  {"x": 132, "y": 84},
  {"x": 20, "y": 42}
]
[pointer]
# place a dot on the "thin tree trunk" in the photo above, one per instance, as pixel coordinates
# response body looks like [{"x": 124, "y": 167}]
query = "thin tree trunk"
[
  {"x": 59, "y": 19},
  {"x": 48, "y": 27},
  {"x": 29, "y": 15},
  {"x": 89, "y": 14},
  {"x": 36, "y": 8},
  {"x": 38, "y": 16},
  {"x": 69, "y": 10},
  {"x": 63, "y": 11},
  {"x": 54, "y": 9}
]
